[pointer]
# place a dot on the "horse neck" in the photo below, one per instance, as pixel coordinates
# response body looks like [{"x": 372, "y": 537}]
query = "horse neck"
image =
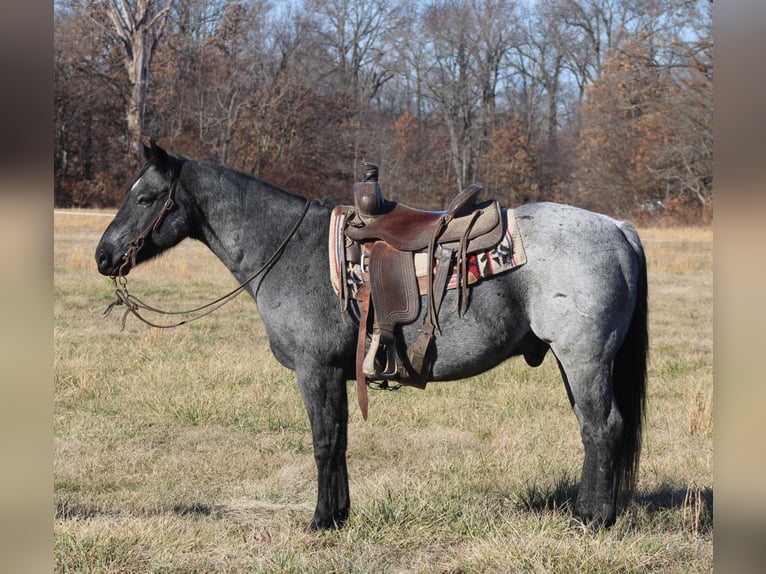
[{"x": 243, "y": 219}]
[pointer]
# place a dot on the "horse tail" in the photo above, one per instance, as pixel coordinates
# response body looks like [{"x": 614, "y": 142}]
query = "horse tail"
[{"x": 629, "y": 377}]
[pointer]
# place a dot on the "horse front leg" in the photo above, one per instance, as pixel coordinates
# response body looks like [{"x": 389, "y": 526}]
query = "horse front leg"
[{"x": 324, "y": 394}]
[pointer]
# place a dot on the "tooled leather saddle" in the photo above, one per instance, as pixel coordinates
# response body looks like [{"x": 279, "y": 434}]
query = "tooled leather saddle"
[{"x": 386, "y": 238}]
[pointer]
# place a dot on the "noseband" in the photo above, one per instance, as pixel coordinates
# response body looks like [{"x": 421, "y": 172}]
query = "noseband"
[{"x": 133, "y": 304}]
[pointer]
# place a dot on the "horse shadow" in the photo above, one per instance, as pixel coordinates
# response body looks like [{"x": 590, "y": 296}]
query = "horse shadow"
[
  {"x": 67, "y": 509},
  {"x": 692, "y": 505}
]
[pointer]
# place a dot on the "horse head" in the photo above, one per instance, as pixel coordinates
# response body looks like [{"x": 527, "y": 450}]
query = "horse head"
[{"x": 153, "y": 218}]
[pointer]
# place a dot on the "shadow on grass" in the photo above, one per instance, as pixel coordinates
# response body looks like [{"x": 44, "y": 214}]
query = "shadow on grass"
[
  {"x": 68, "y": 510},
  {"x": 692, "y": 507},
  {"x": 559, "y": 496},
  {"x": 694, "y": 504}
]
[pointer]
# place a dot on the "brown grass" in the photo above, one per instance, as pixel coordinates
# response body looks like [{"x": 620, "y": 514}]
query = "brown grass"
[
  {"x": 680, "y": 251},
  {"x": 189, "y": 450}
]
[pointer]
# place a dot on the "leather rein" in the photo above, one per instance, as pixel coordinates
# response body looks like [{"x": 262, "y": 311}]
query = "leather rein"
[{"x": 134, "y": 305}]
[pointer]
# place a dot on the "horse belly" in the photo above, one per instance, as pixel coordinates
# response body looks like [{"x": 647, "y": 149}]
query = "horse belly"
[{"x": 492, "y": 330}]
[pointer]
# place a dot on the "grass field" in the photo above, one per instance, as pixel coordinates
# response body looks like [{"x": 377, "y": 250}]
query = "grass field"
[{"x": 189, "y": 450}]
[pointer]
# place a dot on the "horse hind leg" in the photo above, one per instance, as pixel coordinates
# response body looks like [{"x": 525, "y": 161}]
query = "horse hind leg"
[{"x": 601, "y": 426}]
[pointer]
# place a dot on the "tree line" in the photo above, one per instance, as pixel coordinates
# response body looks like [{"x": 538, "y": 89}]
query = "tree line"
[{"x": 606, "y": 104}]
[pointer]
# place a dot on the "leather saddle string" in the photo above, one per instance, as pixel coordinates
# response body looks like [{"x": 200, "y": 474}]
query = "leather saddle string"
[
  {"x": 433, "y": 315},
  {"x": 463, "y": 265},
  {"x": 133, "y": 303}
]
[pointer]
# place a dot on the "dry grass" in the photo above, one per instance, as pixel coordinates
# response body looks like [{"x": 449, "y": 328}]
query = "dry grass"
[
  {"x": 677, "y": 234},
  {"x": 680, "y": 251},
  {"x": 189, "y": 450}
]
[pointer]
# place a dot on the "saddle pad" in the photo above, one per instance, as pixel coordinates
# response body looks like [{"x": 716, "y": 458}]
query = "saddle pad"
[{"x": 508, "y": 254}]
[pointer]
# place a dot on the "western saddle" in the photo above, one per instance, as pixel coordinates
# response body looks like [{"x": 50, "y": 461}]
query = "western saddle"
[{"x": 384, "y": 237}]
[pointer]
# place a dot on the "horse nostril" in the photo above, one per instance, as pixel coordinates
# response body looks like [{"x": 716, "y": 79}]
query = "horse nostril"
[{"x": 102, "y": 259}]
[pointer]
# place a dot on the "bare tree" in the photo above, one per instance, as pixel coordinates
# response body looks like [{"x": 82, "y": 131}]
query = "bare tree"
[
  {"x": 541, "y": 58},
  {"x": 359, "y": 35},
  {"x": 138, "y": 26},
  {"x": 527, "y": 98},
  {"x": 685, "y": 162},
  {"x": 467, "y": 44}
]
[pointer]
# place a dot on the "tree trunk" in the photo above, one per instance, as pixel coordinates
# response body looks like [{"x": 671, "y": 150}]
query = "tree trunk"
[
  {"x": 138, "y": 27},
  {"x": 137, "y": 73}
]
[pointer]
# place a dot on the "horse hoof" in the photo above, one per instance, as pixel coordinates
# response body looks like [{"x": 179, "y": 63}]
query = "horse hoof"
[
  {"x": 592, "y": 521},
  {"x": 327, "y": 523},
  {"x": 592, "y": 526}
]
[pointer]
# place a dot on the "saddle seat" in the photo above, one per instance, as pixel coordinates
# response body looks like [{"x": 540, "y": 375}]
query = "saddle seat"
[
  {"x": 409, "y": 229},
  {"x": 400, "y": 226}
]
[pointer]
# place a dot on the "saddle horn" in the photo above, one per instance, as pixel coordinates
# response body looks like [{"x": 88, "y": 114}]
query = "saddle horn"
[{"x": 367, "y": 195}]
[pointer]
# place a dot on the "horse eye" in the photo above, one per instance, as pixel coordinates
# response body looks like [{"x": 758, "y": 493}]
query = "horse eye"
[{"x": 145, "y": 200}]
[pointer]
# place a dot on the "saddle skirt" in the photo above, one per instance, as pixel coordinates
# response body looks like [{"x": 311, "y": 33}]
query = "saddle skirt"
[{"x": 508, "y": 254}]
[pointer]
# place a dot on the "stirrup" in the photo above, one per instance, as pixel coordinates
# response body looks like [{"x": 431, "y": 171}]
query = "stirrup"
[{"x": 369, "y": 369}]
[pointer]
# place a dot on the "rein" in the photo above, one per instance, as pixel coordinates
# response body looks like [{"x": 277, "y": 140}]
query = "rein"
[{"x": 133, "y": 305}]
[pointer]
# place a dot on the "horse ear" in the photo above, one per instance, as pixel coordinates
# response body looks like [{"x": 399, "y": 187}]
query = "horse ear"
[
  {"x": 156, "y": 155},
  {"x": 147, "y": 151}
]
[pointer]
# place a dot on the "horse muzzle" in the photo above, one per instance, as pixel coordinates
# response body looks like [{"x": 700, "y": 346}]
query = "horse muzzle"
[{"x": 111, "y": 265}]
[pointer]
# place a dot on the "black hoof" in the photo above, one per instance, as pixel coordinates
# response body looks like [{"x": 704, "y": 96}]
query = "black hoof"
[
  {"x": 592, "y": 521},
  {"x": 335, "y": 522}
]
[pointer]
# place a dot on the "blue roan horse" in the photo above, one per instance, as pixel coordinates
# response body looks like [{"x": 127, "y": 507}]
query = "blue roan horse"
[{"x": 582, "y": 294}]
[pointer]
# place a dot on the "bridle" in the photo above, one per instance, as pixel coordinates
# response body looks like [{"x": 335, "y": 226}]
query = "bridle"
[
  {"x": 133, "y": 305},
  {"x": 135, "y": 246}
]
